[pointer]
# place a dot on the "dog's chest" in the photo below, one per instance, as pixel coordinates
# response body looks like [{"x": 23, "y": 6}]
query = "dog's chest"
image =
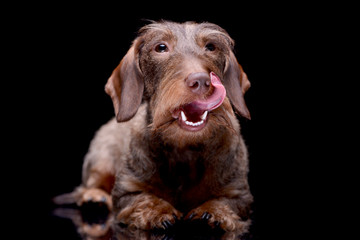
[
  {"x": 183, "y": 175},
  {"x": 179, "y": 175},
  {"x": 181, "y": 167}
]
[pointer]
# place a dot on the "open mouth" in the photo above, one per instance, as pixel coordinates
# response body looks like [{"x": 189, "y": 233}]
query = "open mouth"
[
  {"x": 194, "y": 116},
  {"x": 192, "y": 119}
]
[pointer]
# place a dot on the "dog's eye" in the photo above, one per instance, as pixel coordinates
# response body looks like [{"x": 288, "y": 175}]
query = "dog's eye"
[
  {"x": 160, "y": 48},
  {"x": 210, "y": 47}
]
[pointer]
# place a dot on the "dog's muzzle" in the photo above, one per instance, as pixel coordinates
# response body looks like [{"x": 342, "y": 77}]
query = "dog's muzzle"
[{"x": 193, "y": 116}]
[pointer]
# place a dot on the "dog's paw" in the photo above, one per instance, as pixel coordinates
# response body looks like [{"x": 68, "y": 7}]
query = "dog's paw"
[
  {"x": 218, "y": 214},
  {"x": 148, "y": 212},
  {"x": 95, "y": 195}
]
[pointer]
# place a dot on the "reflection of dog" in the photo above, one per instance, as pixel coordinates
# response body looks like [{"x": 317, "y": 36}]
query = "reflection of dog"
[
  {"x": 178, "y": 152},
  {"x": 98, "y": 229}
]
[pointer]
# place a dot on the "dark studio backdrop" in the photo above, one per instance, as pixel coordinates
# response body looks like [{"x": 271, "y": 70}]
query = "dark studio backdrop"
[{"x": 73, "y": 51}]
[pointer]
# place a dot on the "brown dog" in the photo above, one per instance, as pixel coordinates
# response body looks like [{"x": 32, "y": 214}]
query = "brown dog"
[{"x": 178, "y": 152}]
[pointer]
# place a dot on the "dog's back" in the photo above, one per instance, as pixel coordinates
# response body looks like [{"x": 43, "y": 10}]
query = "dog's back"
[{"x": 108, "y": 151}]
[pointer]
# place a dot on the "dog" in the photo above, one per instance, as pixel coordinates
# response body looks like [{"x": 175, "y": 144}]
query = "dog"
[{"x": 174, "y": 150}]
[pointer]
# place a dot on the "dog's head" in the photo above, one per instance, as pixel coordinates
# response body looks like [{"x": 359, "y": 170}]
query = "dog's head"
[{"x": 187, "y": 72}]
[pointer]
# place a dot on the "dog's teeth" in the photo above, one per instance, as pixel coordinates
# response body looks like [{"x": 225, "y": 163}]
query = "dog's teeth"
[
  {"x": 183, "y": 117},
  {"x": 194, "y": 124},
  {"x": 203, "y": 117}
]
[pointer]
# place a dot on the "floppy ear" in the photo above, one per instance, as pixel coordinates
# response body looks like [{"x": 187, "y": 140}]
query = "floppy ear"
[
  {"x": 125, "y": 86},
  {"x": 236, "y": 84}
]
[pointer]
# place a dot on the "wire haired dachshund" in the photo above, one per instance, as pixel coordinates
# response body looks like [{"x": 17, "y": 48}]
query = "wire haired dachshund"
[{"x": 174, "y": 150}]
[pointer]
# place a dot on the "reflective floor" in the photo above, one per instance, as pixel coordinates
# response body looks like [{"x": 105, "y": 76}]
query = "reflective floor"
[{"x": 93, "y": 222}]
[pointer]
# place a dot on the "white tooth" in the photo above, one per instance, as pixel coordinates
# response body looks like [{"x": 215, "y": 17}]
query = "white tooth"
[
  {"x": 183, "y": 117},
  {"x": 203, "y": 117},
  {"x": 194, "y": 124}
]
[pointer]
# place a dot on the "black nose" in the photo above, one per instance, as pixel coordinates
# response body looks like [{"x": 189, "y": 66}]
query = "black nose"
[{"x": 199, "y": 82}]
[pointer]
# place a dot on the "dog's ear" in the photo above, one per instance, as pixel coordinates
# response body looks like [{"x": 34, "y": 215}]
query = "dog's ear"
[
  {"x": 236, "y": 84},
  {"x": 125, "y": 86}
]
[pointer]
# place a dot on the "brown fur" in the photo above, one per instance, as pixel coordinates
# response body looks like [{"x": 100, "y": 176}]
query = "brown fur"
[{"x": 164, "y": 172}]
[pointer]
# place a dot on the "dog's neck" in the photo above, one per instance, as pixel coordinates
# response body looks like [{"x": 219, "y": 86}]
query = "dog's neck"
[{"x": 191, "y": 151}]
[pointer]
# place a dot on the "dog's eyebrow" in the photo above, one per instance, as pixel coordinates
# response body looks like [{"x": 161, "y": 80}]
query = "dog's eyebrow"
[
  {"x": 207, "y": 30},
  {"x": 156, "y": 32}
]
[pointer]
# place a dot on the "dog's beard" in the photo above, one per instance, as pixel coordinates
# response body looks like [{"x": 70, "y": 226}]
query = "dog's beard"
[{"x": 168, "y": 129}]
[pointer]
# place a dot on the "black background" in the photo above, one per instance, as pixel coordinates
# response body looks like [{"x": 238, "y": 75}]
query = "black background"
[{"x": 65, "y": 54}]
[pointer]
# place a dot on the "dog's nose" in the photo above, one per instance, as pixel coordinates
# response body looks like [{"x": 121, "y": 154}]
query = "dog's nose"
[{"x": 199, "y": 82}]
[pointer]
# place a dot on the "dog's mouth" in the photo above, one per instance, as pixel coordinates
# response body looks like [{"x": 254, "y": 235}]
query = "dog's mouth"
[{"x": 194, "y": 115}]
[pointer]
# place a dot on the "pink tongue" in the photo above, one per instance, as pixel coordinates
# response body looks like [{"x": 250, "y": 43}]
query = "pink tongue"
[{"x": 213, "y": 101}]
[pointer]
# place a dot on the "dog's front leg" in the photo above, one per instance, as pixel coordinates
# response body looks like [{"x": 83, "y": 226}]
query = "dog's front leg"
[{"x": 145, "y": 211}]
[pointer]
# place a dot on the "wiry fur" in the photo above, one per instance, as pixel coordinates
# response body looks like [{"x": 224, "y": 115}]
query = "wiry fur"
[{"x": 162, "y": 171}]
